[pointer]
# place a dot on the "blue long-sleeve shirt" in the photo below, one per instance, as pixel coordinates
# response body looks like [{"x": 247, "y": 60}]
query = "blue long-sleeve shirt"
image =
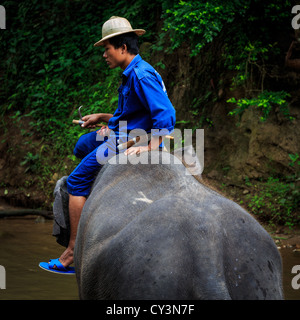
[{"x": 143, "y": 100}]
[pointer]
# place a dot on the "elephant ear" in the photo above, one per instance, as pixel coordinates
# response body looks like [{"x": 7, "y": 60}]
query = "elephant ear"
[{"x": 61, "y": 224}]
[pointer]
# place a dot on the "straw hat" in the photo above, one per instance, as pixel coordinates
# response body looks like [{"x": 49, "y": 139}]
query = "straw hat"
[{"x": 115, "y": 26}]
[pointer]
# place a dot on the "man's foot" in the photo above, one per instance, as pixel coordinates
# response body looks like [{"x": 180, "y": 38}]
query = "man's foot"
[{"x": 55, "y": 266}]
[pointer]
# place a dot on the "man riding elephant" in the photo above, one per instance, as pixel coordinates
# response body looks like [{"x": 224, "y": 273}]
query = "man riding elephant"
[
  {"x": 150, "y": 231},
  {"x": 143, "y": 104}
]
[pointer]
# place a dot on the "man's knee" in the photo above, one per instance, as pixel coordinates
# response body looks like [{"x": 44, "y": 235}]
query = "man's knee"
[
  {"x": 78, "y": 187},
  {"x": 78, "y": 152},
  {"x": 81, "y": 179},
  {"x": 86, "y": 144}
]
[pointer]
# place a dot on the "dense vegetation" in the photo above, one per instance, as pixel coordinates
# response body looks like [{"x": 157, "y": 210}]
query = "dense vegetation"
[{"x": 49, "y": 68}]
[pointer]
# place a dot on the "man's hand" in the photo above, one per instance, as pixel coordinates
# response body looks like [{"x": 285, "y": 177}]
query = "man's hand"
[
  {"x": 91, "y": 120},
  {"x": 153, "y": 145},
  {"x": 104, "y": 131},
  {"x": 136, "y": 150}
]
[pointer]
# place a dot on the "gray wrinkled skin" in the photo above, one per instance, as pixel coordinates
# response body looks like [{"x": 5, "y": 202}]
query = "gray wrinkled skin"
[{"x": 153, "y": 232}]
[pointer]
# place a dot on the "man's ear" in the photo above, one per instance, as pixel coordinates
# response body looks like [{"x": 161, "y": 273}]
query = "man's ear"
[{"x": 124, "y": 48}]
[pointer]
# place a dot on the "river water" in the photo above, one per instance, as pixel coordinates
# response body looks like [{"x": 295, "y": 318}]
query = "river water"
[{"x": 24, "y": 243}]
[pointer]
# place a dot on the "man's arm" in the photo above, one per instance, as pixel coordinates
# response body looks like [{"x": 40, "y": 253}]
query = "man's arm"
[{"x": 91, "y": 120}]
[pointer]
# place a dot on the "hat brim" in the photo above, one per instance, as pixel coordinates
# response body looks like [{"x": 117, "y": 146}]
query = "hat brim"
[{"x": 138, "y": 32}]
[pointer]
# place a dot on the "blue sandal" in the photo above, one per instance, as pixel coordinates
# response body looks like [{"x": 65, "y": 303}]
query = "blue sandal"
[{"x": 54, "y": 265}]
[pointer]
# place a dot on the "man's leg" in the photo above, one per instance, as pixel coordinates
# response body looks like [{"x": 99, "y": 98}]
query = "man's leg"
[
  {"x": 76, "y": 204},
  {"x": 79, "y": 185}
]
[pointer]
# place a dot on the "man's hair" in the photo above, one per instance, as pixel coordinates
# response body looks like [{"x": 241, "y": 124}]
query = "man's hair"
[{"x": 130, "y": 39}]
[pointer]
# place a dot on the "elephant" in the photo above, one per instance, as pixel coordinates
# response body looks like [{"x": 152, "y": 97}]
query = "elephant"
[{"x": 150, "y": 231}]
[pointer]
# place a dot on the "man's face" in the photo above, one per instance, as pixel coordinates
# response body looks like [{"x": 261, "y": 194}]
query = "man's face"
[{"x": 113, "y": 57}]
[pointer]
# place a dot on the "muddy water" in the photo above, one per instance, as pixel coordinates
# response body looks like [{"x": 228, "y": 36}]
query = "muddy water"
[{"x": 25, "y": 242}]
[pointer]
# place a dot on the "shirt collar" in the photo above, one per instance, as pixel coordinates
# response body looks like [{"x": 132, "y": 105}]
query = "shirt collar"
[{"x": 131, "y": 65}]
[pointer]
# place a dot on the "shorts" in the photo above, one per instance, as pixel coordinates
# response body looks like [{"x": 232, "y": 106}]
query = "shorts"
[{"x": 94, "y": 154}]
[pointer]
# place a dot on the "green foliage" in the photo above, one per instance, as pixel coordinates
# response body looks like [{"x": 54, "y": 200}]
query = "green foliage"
[
  {"x": 295, "y": 160},
  {"x": 295, "y": 164},
  {"x": 258, "y": 51},
  {"x": 277, "y": 202},
  {"x": 265, "y": 101},
  {"x": 198, "y": 21},
  {"x": 32, "y": 162},
  {"x": 50, "y": 66},
  {"x": 250, "y": 47},
  {"x": 277, "y": 199},
  {"x": 252, "y": 60}
]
